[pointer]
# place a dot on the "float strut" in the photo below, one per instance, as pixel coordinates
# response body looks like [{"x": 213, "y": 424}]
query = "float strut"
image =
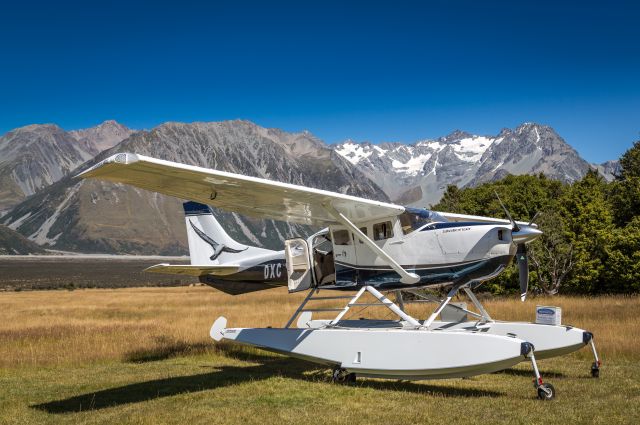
[{"x": 595, "y": 367}]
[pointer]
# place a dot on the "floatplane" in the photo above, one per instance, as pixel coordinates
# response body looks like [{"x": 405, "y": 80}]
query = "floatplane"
[{"x": 367, "y": 247}]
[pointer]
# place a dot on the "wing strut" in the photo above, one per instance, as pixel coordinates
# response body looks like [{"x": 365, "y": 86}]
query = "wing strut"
[{"x": 406, "y": 277}]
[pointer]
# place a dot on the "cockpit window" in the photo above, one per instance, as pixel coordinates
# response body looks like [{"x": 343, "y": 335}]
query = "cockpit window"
[
  {"x": 382, "y": 231},
  {"x": 415, "y": 218},
  {"x": 342, "y": 237}
]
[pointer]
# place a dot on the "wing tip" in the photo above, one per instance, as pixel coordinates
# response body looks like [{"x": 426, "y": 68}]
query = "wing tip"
[
  {"x": 124, "y": 158},
  {"x": 155, "y": 267}
]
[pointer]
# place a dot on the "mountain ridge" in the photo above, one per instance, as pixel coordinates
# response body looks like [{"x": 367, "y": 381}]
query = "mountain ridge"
[
  {"x": 35, "y": 156},
  {"x": 418, "y": 173},
  {"x": 96, "y": 216}
]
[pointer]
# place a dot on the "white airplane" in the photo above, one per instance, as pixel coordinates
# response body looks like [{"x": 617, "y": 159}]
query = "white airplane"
[
  {"x": 232, "y": 267},
  {"x": 374, "y": 246}
]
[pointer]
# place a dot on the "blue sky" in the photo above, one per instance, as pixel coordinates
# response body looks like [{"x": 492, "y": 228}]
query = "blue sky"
[{"x": 377, "y": 71}]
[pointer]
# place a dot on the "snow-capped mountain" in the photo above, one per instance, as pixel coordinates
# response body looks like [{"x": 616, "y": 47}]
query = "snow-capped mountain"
[
  {"x": 35, "y": 156},
  {"x": 418, "y": 173},
  {"x": 95, "y": 216}
]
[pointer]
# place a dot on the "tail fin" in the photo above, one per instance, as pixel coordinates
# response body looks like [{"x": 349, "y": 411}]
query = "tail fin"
[{"x": 208, "y": 242}]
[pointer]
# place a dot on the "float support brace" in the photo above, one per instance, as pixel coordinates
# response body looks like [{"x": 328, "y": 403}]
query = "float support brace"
[{"x": 476, "y": 302}]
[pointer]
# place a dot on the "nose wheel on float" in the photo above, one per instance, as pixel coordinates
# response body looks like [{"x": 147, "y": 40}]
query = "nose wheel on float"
[
  {"x": 595, "y": 366},
  {"x": 546, "y": 392}
]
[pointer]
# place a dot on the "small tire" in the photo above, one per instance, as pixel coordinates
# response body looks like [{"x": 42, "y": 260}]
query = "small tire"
[
  {"x": 340, "y": 376},
  {"x": 546, "y": 392},
  {"x": 595, "y": 371}
]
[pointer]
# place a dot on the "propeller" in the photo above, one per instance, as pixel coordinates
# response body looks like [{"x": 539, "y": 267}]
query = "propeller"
[
  {"x": 515, "y": 226},
  {"x": 521, "y": 252}
]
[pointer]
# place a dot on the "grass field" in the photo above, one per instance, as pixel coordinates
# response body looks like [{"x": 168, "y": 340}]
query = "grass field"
[{"x": 143, "y": 355}]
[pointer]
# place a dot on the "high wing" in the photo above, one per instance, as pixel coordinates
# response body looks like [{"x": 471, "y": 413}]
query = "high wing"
[
  {"x": 234, "y": 192},
  {"x": 478, "y": 218},
  {"x": 189, "y": 270}
]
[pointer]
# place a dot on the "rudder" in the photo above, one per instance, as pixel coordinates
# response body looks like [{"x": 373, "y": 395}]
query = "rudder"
[{"x": 208, "y": 241}]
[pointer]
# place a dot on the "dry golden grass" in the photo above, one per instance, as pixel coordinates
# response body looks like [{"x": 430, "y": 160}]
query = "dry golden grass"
[
  {"x": 143, "y": 356},
  {"x": 76, "y": 327}
]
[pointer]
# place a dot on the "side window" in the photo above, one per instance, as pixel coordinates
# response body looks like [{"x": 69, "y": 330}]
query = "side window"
[
  {"x": 363, "y": 230},
  {"x": 382, "y": 231},
  {"x": 341, "y": 237}
]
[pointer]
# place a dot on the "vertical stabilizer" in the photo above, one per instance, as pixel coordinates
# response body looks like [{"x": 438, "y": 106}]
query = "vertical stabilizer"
[{"x": 208, "y": 242}]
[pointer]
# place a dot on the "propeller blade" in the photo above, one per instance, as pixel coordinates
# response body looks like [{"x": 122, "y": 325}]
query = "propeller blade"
[
  {"x": 523, "y": 270},
  {"x": 534, "y": 218},
  {"x": 506, "y": 211}
]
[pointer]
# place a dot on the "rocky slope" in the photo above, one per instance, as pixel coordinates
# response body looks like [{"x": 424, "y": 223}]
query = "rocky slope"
[
  {"x": 13, "y": 243},
  {"x": 35, "y": 156},
  {"x": 609, "y": 169},
  {"x": 101, "y": 137},
  {"x": 93, "y": 216},
  {"x": 417, "y": 174}
]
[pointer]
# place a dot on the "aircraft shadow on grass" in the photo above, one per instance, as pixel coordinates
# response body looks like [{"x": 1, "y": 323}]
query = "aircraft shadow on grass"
[
  {"x": 527, "y": 373},
  {"x": 224, "y": 376}
]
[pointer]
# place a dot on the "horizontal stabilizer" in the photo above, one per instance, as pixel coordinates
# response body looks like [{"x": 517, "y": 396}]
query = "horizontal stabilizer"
[{"x": 191, "y": 270}]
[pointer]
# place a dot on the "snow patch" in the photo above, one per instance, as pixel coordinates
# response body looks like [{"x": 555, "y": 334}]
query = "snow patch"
[
  {"x": 432, "y": 144},
  {"x": 471, "y": 149},
  {"x": 413, "y": 166},
  {"x": 354, "y": 152}
]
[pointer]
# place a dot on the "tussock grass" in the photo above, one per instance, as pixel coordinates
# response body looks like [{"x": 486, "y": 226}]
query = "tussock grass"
[
  {"x": 58, "y": 328},
  {"x": 143, "y": 355}
]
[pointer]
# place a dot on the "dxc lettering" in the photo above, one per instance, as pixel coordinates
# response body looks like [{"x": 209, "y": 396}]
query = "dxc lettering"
[{"x": 272, "y": 271}]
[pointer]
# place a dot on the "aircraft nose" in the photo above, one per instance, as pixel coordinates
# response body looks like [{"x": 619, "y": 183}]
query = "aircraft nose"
[{"x": 525, "y": 234}]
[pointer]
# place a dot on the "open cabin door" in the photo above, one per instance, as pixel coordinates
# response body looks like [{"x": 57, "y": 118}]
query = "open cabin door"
[{"x": 296, "y": 252}]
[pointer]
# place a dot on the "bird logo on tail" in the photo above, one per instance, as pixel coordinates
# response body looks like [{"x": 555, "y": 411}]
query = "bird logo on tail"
[{"x": 218, "y": 248}]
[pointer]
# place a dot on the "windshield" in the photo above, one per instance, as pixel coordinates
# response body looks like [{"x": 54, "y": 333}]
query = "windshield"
[{"x": 414, "y": 218}]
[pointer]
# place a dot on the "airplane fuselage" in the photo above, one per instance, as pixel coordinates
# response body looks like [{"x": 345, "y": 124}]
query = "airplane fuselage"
[{"x": 439, "y": 253}]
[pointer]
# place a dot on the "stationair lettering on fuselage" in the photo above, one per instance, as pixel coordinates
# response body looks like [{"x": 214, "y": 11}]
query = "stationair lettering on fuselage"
[
  {"x": 273, "y": 271},
  {"x": 456, "y": 229}
]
